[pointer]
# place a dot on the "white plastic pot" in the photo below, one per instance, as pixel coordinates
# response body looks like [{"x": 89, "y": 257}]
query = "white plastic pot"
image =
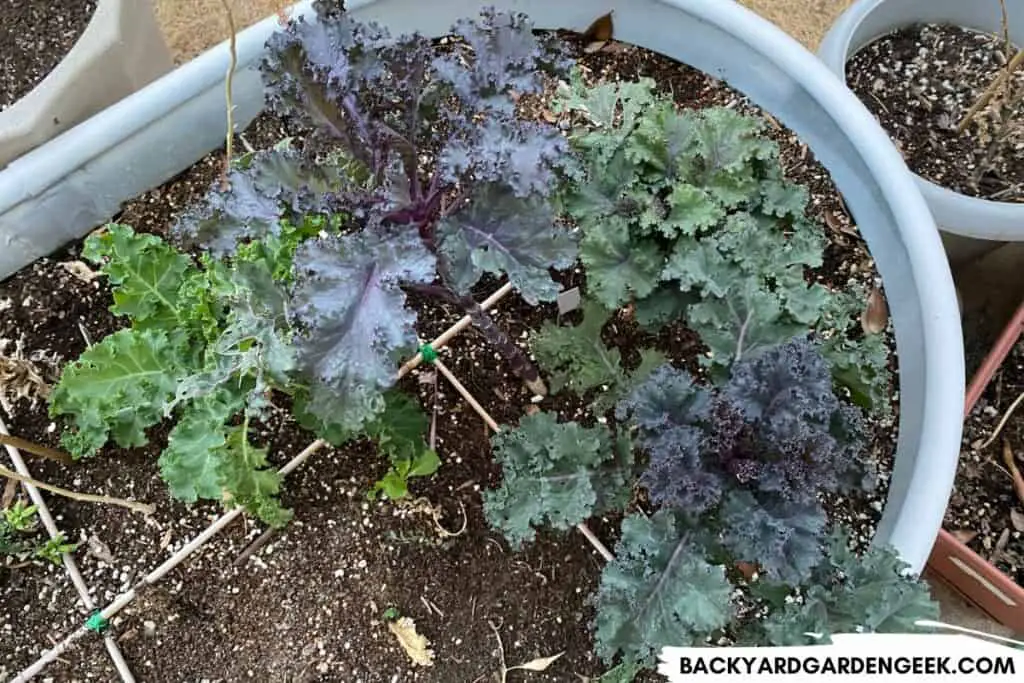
[
  {"x": 65, "y": 188},
  {"x": 120, "y": 50},
  {"x": 971, "y": 226}
]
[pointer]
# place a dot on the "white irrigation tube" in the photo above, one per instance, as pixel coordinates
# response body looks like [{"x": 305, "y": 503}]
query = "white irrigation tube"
[
  {"x": 69, "y": 562},
  {"x": 123, "y": 600}
]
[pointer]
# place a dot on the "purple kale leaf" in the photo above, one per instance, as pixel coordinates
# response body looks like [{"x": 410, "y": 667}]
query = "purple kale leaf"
[
  {"x": 670, "y": 412},
  {"x": 813, "y": 440},
  {"x": 501, "y": 233},
  {"x": 436, "y": 131},
  {"x": 754, "y": 454},
  {"x": 504, "y": 55},
  {"x": 349, "y": 302},
  {"x": 261, "y": 193}
]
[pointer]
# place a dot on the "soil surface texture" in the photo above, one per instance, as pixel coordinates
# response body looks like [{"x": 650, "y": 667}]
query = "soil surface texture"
[
  {"x": 920, "y": 83},
  {"x": 308, "y": 603},
  {"x": 34, "y": 37},
  {"x": 984, "y": 511}
]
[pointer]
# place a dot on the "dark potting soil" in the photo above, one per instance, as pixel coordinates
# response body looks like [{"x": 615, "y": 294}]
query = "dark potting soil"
[
  {"x": 984, "y": 511},
  {"x": 920, "y": 82},
  {"x": 309, "y": 604},
  {"x": 34, "y": 37}
]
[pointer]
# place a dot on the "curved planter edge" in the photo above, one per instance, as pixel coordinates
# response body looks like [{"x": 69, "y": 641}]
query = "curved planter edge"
[
  {"x": 142, "y": 141},
  {"x": 120, "y": 50},
  {"x": 967, "y": 572},
  {"x": 971, "y": 226}
]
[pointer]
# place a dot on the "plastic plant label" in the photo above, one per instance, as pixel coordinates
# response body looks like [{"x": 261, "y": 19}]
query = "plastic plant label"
[{"x": 569, "y": 300}]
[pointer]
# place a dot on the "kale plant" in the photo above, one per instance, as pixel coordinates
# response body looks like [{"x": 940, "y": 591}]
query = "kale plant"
[
  {"x": 418, "y": 177},
  {"x": 452, "y": 186},
  {"x": 203, "y": 346},
  {"x": 579, "y": 360},
  {"x": 689, "y": 213},
  {"x": 560, "y": 474},
  {"x": 736, "y": 472}
]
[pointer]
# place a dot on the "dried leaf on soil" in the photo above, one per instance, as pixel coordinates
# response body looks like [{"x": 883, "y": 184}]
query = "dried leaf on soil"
[
  {"x": 601, "y": 29},
  {"x": 1017, "y": 519},
  {"x": 965, "y": 536},
  {"x": 80, "y": 270},
  {"x": 414, "y": 644},
  {"x": 20, "y": 379},
  {"x": 876, "y": 313},
  {"x": 100, "y": 550},
  {"x": 1011, "y": 464},
  {"x": 539, "y": 664}
]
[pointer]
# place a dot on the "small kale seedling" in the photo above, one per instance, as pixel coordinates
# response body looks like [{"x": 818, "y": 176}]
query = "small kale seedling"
[
  {"x": 687, "y": 213},
  {"x": 580, "y": 361},
  {"x": 558, "y": 474}
]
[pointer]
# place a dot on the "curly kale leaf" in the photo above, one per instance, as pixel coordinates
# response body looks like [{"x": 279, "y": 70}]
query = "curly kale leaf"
[
  {"x": 816, "y": 441},
  {"x": 207, "y": 459},
  {"x": 352, "y": 308},
  {"x": 755, "y": 453},
  {"x": 118, "y": 388},
  {"x": 659, "y": 591},
  {"x": 579, "y": 360},
  {"x": 867, "y": 594},
  {"x": 504, "y": 55},
  {"x": 670, "y": 412},
  {"x": 259, "y": 197},
  {"x": 555, "y": 474},
  {"x": 145, "y": 274},
  {"x": 780, "y": 536},
  {"x": 191, "y": 462},
  {"x": 500, "y": 233}
]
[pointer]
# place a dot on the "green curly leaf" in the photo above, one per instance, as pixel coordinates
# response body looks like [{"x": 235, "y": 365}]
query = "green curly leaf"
[
  {"x": 659, "y": 591},
  {"x": 118, "y": 388},
  {"x": 579, "y": 360},
  {"x": 145, "y": 272},
  {"x": 555, "y": 474}
]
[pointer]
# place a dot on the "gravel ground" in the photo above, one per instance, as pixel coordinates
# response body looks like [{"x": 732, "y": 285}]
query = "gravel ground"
[
  {"x": 34, "y": 37},
  {"x": 921, "y": 82}
]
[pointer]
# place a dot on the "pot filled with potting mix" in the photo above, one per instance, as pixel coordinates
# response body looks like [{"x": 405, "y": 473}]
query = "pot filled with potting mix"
[
  {"x": 942, "y": 77},
  {"x": 541, "y": 330},
  {"x": 63, "y": 63}
]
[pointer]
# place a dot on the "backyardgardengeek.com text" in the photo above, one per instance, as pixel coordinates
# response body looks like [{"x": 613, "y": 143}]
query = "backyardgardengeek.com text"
[{"x": 846, "y": 665}]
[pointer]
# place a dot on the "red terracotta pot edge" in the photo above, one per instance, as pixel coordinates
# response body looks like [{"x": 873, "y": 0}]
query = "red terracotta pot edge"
[{"x": 969, "y": 574}]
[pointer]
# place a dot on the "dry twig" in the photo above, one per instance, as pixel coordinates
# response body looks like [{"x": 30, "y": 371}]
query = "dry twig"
[
  {"x": 74, "y": 495},
  {"x": 1011, "y": 464}
]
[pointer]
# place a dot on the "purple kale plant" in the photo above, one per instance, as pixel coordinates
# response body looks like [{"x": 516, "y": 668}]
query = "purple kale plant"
[
  {"x": 427, "y": 173},
  {"x": 752, "y": 456}
]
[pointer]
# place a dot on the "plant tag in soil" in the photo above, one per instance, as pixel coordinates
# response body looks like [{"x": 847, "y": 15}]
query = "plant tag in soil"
[{"x": 569, "y": 300}]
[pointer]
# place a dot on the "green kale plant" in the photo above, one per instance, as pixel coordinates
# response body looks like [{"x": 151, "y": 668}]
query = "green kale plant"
[
  {"x": 687, "y": 213},
  {"x": 736, "y": 472}
]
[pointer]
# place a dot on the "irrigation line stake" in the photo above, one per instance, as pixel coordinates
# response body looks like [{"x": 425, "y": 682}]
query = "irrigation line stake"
[
  {"x": 124, "y": 599},
  {"x": 69, "y": 562},
  {"x": 463, "y": 323},
  {"x": 495, "y": 427}
]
